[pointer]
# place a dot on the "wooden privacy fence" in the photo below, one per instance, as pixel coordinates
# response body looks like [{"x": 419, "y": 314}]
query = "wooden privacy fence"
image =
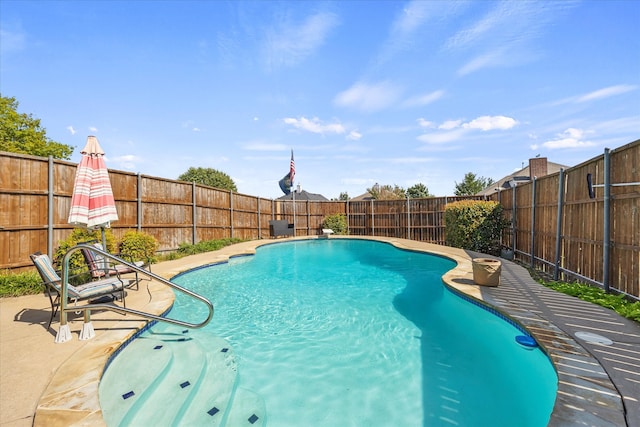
[
  {"x": 555, "y": 225},
  {"x": 558, "y": 228}
]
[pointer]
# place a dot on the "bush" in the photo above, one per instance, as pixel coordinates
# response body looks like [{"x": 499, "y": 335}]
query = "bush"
[
  {"x": 80, "y": 235},
  {"x": 336, "y": 222},
  {"x": 206, "y": 246},
  {"x": 474, "y": 225},
  {"x": 138, "y": 246},
  {"x": 19, "y": 284}
]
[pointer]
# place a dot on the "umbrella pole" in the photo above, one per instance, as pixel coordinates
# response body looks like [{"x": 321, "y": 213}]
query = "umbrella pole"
[{"x": 104, "y": 240}]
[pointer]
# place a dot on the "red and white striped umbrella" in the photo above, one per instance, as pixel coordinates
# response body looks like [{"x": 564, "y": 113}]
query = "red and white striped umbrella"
[{"x": 92, "y": 203}]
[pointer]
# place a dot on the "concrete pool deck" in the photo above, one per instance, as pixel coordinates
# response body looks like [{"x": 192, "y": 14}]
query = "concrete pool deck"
[{"x": 43, "y": 383}]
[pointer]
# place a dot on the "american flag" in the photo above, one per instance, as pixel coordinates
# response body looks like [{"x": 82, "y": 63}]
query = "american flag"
[{"x": 292, "y": 169}]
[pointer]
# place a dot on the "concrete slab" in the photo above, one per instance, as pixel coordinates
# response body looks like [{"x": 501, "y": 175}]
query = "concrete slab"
[{"x": 43, "y": 383}]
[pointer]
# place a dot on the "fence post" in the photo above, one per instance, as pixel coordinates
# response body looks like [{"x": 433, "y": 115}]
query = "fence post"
[
  {"x": 606, "y": 249},
  {"x": 347, "y": 209},
  {"x": 231, "y": 213},
  {"x": 556, "y": 271},
  {"x": 513, "y": 217},
  {"x": 373, "y": 225},
  {"x": 408, "y": 219},
  {"x": 308, "y": 220},
  {"x": 533, "y": 219},
  {"x": 50, "y": 208},
  {"x": 194, "y": 230},
  {"x": 139, "y": 203},
  {"x": 259, "y": 234}
]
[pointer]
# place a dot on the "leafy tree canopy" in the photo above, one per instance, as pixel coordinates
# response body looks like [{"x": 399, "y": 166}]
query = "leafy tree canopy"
[
  {"x": 419, "y": 191},
  {"x": 21, "y": 133},
  {"x": 472, "y": 184},
  {"x": 387, "y": 192},
  {"x": 343, "y": 196},
  {"x": 210, "y": 177}
]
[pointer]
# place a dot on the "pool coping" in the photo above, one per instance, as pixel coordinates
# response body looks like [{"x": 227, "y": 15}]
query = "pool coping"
[{"x": 71, "y": 397}]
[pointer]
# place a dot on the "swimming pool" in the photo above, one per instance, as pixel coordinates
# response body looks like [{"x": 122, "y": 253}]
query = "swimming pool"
[{"x": 353, "y": 332}]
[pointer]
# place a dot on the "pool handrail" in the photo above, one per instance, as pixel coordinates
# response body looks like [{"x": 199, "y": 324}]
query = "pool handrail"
[{"x": 64, "y": 334}]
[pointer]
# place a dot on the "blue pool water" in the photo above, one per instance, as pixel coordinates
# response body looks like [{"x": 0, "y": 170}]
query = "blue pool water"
[{"x": 359, "y": 333}]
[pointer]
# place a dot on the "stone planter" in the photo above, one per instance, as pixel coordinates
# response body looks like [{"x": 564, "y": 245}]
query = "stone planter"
[
  {"x": 486, "y": 271},
  {"x": 506, "y": 254}
]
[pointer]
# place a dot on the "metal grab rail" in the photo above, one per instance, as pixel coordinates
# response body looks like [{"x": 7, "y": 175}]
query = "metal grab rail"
[{"x": 64, "y": 336}]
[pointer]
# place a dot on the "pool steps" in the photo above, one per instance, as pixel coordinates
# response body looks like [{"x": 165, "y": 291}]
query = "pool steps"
[{"x": 178, "y": 377}]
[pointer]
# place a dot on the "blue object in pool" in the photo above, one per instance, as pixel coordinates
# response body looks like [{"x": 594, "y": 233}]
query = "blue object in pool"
[{"x": 526, "y": 341}]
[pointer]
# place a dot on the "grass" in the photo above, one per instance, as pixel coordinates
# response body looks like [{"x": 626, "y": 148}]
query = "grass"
[{"x": 616, "y": 302}]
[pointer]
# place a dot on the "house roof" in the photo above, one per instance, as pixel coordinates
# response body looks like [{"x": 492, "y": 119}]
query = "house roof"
[
  {"x": 304, "y": 195},
  {"x": 522, "y": 175}
]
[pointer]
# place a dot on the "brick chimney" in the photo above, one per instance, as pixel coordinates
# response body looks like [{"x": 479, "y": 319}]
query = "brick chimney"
[{"x": 538, "y": 167}]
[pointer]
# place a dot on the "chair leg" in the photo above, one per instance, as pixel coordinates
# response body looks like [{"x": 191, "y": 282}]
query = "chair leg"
[{"x": 54, "y": 308}]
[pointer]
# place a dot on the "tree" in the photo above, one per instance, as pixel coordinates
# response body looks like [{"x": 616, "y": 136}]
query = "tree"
[
  {"x": 387, "y": 192},
  {"x": 472, "y": 184},
  {"x": 418, "y": 191},
  {"x": 343, "y": 196},
  {"x": 21, "y": 133},
  {"x": 210, "y": 177}
]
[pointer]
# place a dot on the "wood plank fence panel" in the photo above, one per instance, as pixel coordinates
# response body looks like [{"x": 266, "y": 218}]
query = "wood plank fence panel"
[
  {"x": 625, "y": 214},
  {"x": 166, "y": 212},
  {"x": 546, "y": 214}
]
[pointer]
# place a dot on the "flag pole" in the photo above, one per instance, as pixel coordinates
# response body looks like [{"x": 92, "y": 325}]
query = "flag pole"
[{"x": 292, "y": 173}]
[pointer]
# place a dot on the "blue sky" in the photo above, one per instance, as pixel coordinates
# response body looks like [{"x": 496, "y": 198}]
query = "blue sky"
[{"x": 386, "y": 92}]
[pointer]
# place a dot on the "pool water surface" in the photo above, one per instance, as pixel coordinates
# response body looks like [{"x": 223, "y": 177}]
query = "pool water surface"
[{"x": 353, "y": 332}]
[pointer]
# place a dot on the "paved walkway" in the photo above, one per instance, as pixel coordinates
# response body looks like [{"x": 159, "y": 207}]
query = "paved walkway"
[
  {"x": 552, "y": 316},
  {"x": 599, "y": 385}
]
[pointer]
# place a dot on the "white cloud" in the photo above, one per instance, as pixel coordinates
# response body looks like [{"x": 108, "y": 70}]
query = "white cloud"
[
  {"x": 456, "y": 129},
  {"x": 314, "y": 125},
  {"x": 369, "y": 97},
  {"x": 442, "y": 137},
  {"x": 196, "y": 129},
  {"x": 421, "y": 100},
  {"x": 504, "y": 35},
  {"x": 93, "y": 129},
  {"x": 607, "y": 92},
  {"x": 71, "y": 130},
  {"x": 450, "y": 124},
  {"x": 425, "y": 123},
  {"x": 289, "y": 44},
  {"x": 126, "y": 162},
  {"x": 486, "y": 123},
  {"x": 354, "y": 135},
  {"x": 570, "y": 138}
]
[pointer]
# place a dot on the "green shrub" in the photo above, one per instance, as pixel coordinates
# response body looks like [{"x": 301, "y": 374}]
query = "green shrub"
[
  {"x": 474, "y": 225},
  {"x": 19, "y": 284},
  {"x": 336, "y": 222},
  {"x": 206, "y": 246},
  {"x": 138, "y": 246},
  {"x": 80, "y": 235}
]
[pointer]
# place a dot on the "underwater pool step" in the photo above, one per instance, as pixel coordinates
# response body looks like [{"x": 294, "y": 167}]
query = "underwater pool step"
[
  {"x": 127, "y": 381},
  {"x": 163, "y": 402},
  {"x": 175, "y": 377},
  {"x": 247, "y": 409}
]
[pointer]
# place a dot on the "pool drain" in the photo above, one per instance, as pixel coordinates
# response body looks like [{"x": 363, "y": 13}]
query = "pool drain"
[{"x": 592, "y": 338}]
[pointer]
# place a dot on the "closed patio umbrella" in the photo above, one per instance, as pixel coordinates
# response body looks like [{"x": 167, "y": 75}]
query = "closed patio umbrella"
[{"x": 92, "y": 203}]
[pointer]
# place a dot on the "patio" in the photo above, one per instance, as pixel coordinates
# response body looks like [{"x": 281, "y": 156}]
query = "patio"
[{"x": 598, "y": 384}]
